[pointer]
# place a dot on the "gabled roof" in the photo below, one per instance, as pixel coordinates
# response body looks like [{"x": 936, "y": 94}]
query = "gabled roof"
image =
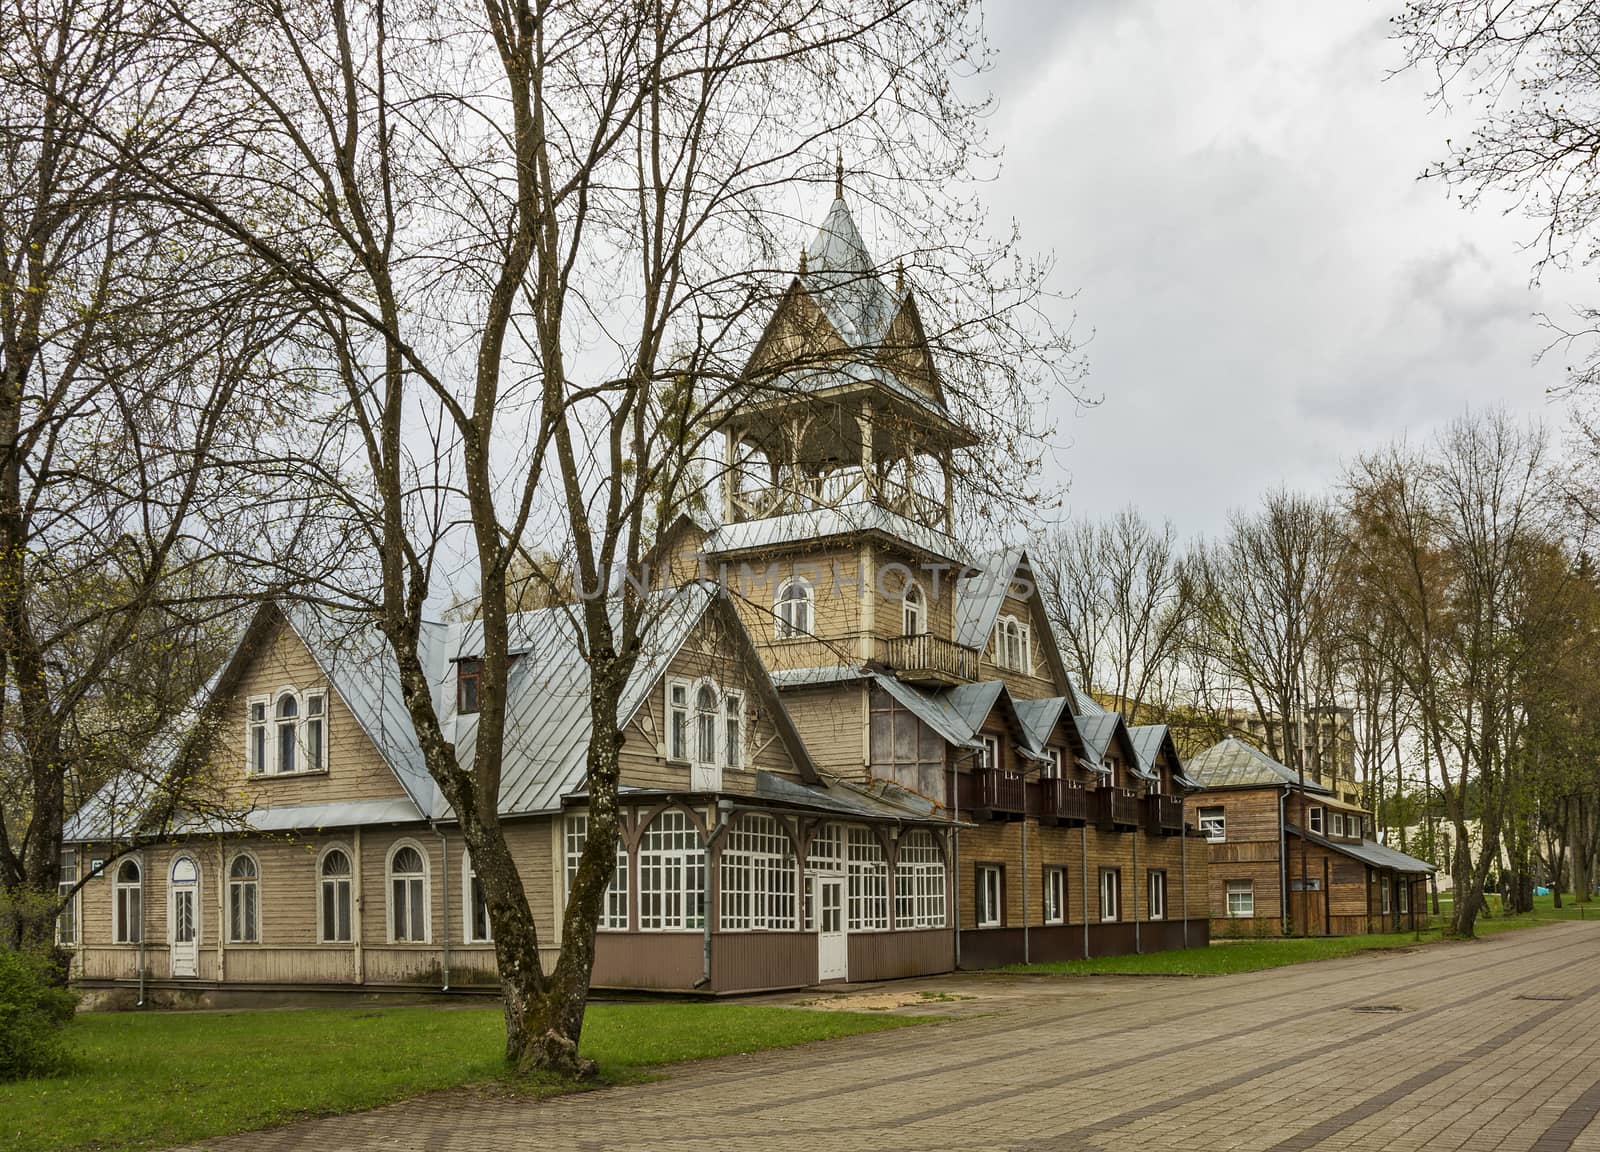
[
  {"x": 1039, "y": 718},
  {"x": 1368, "y": 852},
  {"x": 1231, "y": 763},
  {"x": 1098, "y": 732},
  {"x": 1149, "y": 741}
]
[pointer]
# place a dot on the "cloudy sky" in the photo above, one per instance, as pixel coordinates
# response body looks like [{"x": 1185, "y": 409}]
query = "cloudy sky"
[{"x": 1231, "y": 188}]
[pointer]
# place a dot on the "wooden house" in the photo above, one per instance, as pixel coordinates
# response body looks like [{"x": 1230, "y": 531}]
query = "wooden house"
[{"x": 1270, "y": 835}]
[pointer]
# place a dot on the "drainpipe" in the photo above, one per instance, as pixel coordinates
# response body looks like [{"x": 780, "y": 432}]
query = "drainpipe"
[
  {"x": 143, "y": 919},
  {"x": 444, "y": 851},
  {"x": 1137, "y": 945},
  {"x": 1083, "y": 839},
  {"x": 724, "y": 810},
  {"x": 1025, "y": 868},
  {"x": 1183, "y": 878},
  {"x": 1283, "y": 863},
  {"x": 356, "y": 911}
]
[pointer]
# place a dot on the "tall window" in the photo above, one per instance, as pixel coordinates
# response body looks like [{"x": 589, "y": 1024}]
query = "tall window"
[
  {"x": 469, "y": 675},
  {"x": 1214, "y": 824},
  {"x": 672, "y": 875},
  {"x": 1241, "y": 898},
  {"x": 1111, "y": 893},
  {"x": 1314, "y": 819},
  {"x": 705, "y": 723},
  {"x": 316, "y": 731},
  {"x": 677, "y": 720},
  {"x": 794, "y": 609},
  {"x": 1055, "y": 895},
  {"x": 1158, "y": 894},
  {"x": 477, "y": 926},
  {"x": 1012, "y": 647},
  {"x": 127, "y": 905},
  {"x": 255, "y": 756},
  {"x": 991, "y": 752},
  {"x": 67, "y": 920},
  {"x": 333, "y": 905},
  {"x": 919, "y": 882},
  {"x": 991, "y": 891},
  {"x": 614, "y": 911},
  {"x": 1053, "y": 770},
  {"x": 1338, "y": 823},
  {"x": 826, "y": 853},
  {"x": 1404, "y": 887},
  {"x": 1353, "y": 826},
  {"x": 408, "y": 896},
  {"x": 914, "y": 610},
  {"x": 758, "y": 876},
  {"x": 288, "y": 724},
  {"x": 244, "y": 915},
  {"x": 733, "y": 729},
  {"x": 868, "y": 871},
  {"x": 1383, "y": 887}
]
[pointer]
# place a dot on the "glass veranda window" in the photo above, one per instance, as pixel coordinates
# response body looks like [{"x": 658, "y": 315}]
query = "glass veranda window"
[{"x": 243, "y": 901}]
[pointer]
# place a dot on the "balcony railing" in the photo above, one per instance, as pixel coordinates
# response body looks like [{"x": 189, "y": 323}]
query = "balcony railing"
[
  {"x": 1064, "y": 801},
  {"x": 1115, "y": 807},
  {"x": 1163, "y": 815},
  {"x": 928, "y": 659},
  {"x": 994, "y": 792}
]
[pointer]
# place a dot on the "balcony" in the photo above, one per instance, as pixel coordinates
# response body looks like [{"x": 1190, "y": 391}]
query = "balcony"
[
  {"x": 1064, "y": 802},
  {"x": 1163, "y": 815},
  {"x": 928, "y": 659},
  {"x": 989, "y": 792},
  {"x": 1115, "y": 808}
]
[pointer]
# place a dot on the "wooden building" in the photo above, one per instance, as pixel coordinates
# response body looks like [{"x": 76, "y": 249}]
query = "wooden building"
[
  {"x": 851, "y": 750},
  {"x": 1268, "y": 835}
]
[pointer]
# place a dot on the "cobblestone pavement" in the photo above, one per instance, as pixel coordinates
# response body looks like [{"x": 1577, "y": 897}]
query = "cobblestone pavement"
[{"x": 1487, "y": 1045}]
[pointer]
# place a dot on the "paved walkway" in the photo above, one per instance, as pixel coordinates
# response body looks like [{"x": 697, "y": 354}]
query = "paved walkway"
[{"x": 1488, "y": 1045}]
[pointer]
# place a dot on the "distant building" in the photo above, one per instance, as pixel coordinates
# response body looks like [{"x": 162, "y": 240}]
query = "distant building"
[{"x": 1326, "y": 737}]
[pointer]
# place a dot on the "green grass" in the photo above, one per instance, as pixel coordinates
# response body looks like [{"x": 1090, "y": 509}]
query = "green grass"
[{"x": 148, "y": 1079}]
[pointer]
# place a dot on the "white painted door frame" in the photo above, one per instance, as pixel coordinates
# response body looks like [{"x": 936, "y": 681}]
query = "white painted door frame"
[
  {"x": 833, "y": 941},
  {"x": 183, "y": 917}
]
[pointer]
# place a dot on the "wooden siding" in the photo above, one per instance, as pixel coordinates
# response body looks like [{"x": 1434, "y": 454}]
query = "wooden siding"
[
  {"x": 751, "y": 961},
  {"x": 665, "y": 961},
  {"x": 831, "y": 720},
  {"x": 891, "y": 955}
]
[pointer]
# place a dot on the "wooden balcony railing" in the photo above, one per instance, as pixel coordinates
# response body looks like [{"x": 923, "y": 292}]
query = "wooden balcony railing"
[
  {"x": 1115, "y": 807},
  {"x": 996, "y": 793},
  {"x": 1064, "y": 801},
  {"x": 928, "y": 659},
  {"x": 1163, "y": 815}
]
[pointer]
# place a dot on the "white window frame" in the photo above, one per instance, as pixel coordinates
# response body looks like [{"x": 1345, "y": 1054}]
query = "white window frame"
[
  {"x": 278, "y": 724},
  {"x": 699, "y": 756},
  {"x": 757, "y": 873},
  {"x": 254, "y": 766},
  {"x": 1013, "y": 644},
  {"x": 732, "y": 729},
  {"x": 679, "y": 735},
  {"x": 320, "y": 695},
  {"x": 1240, "y": 899},
  {"x": 1156, "y": 906},
  {"x": 121, "y": 931},
  {"x": 1057, "y": 769},
  {"x": 1055, "y": 895},
  {"x": 614, "y": 908},
  {"x": 919, "y": 882},
  {"x": 787, "y": 612},
  {"x": 1354, "y": 826},
  {"x": 1385, "y": 883},
  {"x": 348, "y": 882},
  {"x": 990, "y": 909},
  {"x": 1338, "y": 823},
  {"x": 1402, "y": 886},
  {"x": 68, "y": 916},
  {"x": 245, "y": 885},
  {"x": 913, "y": 610},
  {"x": 1111, "y": 895},
  {"x": 667, "y": 872},
  {"x": 991, "y": 753},
  {"x": 1215, "y": 827},
  {"x": 1314, "y": 818},
  {"x": 469, "y": 876},
  {"x": 389, "y": 876},
  {"x": 867, "y": 889}
]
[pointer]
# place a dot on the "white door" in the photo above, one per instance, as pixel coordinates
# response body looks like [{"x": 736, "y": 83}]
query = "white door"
[
  {"x": 833, "y": 948},
  {"x": 184, "y": 917}
]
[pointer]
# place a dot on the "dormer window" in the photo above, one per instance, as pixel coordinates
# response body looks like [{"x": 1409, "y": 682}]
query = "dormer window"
[
  {"x": 794, "y": 609},
  {"x": 469, "y": 673},
  {"x": 286, "y": 734},
  {"x": 705, "y": 728},
  {"x": 914, "y": 611},
  {"x": 1012, "y": 648},
  {"x": 1314, "y": 819}
]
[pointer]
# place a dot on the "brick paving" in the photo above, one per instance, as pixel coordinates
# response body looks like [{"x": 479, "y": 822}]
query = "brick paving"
[{"x": 1494, "y": 1045}]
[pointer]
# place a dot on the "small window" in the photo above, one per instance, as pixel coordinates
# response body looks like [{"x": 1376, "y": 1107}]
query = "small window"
[
  {"x": 288, "y": 723},
  {"x": 127, "y": 904},
  {"x": 1314, "y": 819},
  {"x": 1055, "y": 895},
  {"x": 67, "y": 919},
  {"x": 408, "y": 896},
  {"x": 1383, "y": 886},
  {"x": 705, "y": 723},
  {"x": 733, "y": 729},
  {"x": 244, "y": 915},
  {"x": 333, "y": 905},
  {"x": 1111, "y": 894},
  {"x": 1013, "y": 649},
  {"x": 1158, "y": 895},
  {"x": 1214, "y": 824},
  {"x": 1404, "y": 886},
  {"x": 1054, "y": 769},
  {"x": 255, "y": 755},
  {"x": 1354, "y": 826},
  {"x": 991, "y": 753},
  {"x": 794, "y": 609},
  {"x": 677, "y": 720},
  {"x": 478, "y": 929},
  {"x": 913, "y": 611},
  {"x": 1338, "y": 823},
  {"x": 1241, "y": 898},
  {"x": 469, "y": 676},
  {"x": 316, "y": 731},
  {"x": 991, "y": 889}
]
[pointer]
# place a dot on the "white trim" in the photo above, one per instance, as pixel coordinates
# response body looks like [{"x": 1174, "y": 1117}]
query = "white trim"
[
  {"x": 1215, "y": 827},
  {"x": 1156, "y": 896},
  {"x": 728, "y": 757},
  {"x": 1010, "y": 627},
  {"x": 1111, "y": 910},
  {"x": 986, "y": 916},
  {"x": 468, "y": 874},
  {"x": 350, "y": 881},
  {"x": 913, "y": 601},
  {"x": 785, "y": 626},
  {"x": 705, "y": 769},
  {"x": 427, "y": 893},
  {"x": 1055, "y": 902},
  {"x": 305, "y": 721},
  {"x": 1246, "y": 906},
  {"x": 118, "y": 886},
  {"x": 73, "y": 907},
  {"x": 174, "y": 887},
  {"x": 1314, "y": 818},
  {"x": 251, "y": 726},
  {"x": 686, "y": 753},
  {"x": 229, "y": 881}
]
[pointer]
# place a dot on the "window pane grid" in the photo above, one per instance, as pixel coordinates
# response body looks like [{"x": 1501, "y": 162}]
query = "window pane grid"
[
  {"x": 758, "y": 877},
  {"x": 672, "y": 875},
  {"x": 869, "y": 882}
]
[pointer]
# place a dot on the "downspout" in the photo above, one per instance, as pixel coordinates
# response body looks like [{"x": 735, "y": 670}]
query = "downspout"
[
  {"x": 724, "y": 808},
  {"x": 955, "y": 856},
  {"x": 1283, "y": 863},
  {"x": 1083, "y": 839},
  {"x": 143, "y": 919},
  {"x": 1183, "y": 879},
  {"x": 444, "y": 850},
  {"x": 1137, "y": 947},
  {"x": 356, "y": 912}
]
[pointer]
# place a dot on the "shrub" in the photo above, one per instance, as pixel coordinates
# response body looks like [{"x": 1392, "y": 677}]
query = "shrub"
[{"x": 34, "y": 1008}]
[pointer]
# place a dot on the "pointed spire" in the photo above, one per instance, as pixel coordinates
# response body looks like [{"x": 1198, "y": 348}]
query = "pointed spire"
[
  {"x": 899, "y": 277},
  {"x": 802, "y": 260},
  {"x": 838, "y": 173}
]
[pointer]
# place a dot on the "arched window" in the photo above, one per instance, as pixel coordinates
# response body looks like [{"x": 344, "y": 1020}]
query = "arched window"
[
  {"x": 672, "y": 874},
  {"x": 288, "y": 725},
  {"x": 614, "y": 915},
  {"x": 333, "y": 904},
  {"x": 1012, "y": 649},
  {"x": 705, "y": 723},
  {"x": 408, "y": 895},
  {"x": 794, "y": 608},
  {"x": 127, "y": 904},
  {"x": 869, "y": 882},
  {"x": 919, "y": 882},
  {"x": 913, "y": 608},
  {"x": 244, "y": 912},
  {"x": 758, "y": 876}
]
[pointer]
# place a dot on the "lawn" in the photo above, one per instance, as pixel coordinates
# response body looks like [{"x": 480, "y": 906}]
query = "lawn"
[
  {"x": 150, "y": 1079},
  {"x": 1228, "y": 956}
]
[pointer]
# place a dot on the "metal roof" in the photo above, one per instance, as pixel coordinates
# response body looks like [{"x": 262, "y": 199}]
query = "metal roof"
[
  {"x": 1097, "y": 732},
  {"x": 299, "y": 817},
  {"x": 935, "y": 710},
  {"x": 980, "y": 595},
  {"x": 1369, "y": 852},
  {"x": 821, "y": 523},
  {"x": 1039, "y": 718},
  {"x": 841, "y": 277},
  {"x": 882, "y": 801},
  {"x": 1231, "y": 763},
  {"x": 811, "y": 677}
]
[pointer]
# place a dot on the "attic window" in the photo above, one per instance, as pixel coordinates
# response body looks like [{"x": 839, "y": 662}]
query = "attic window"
[
  {"x": 1012, "y": 649},
  {"x": 468, "y": 675}
]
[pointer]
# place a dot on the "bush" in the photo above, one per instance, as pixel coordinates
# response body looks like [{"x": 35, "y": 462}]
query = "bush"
[{"x": 34, "y": 1008}]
